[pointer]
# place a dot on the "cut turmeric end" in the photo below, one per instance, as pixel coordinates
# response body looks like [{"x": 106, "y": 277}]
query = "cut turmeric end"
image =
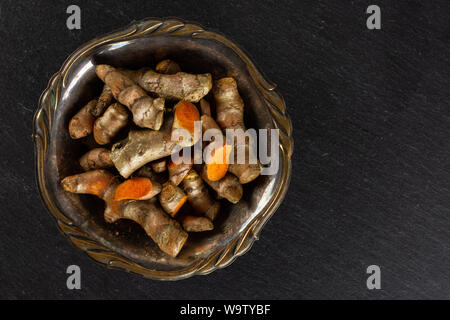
[
  {"x": 186, "y": 114},
  {"x": 135, "y": 188},
  {"x": 216, "y": 171},
  {"x": 217, "y": 167},
  {"x": 179, "y": 206}
]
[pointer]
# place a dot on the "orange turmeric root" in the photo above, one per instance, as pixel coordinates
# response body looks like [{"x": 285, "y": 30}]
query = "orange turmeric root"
[
  {"x": 228, "y": 187},
  {"x": 185, "y": 115},
  {"x": 196, "y": 224},
  {"x": 138, "y": 188},
  {"x": 104, "y": 101},
  {"x": 178, "y": 86},
  {"x": 167, "y": 67},
  {"x": 230, "y": 115},
  {"x": 165, "y": 232},
  {"x": 97, "y": 158},
  {"x": 147, "y": 112},
  {"x": 81, "y": 125},
  {"x": 198, "y": 195},
  {"x": 110, "y": 123},
  {"x": 172, "y": 198}
]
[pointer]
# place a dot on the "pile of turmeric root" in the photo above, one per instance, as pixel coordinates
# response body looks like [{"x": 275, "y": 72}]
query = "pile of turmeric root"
[{"x": 137, "y": 177}]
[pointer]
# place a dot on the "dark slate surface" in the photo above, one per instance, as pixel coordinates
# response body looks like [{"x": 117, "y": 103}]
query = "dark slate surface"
[{"x": 371, "y": 167}]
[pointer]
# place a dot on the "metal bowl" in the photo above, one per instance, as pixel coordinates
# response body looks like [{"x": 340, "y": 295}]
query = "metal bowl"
[{"x": 123, "y": 244}]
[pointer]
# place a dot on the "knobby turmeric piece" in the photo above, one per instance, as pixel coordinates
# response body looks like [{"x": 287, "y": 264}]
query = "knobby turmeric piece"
[
  {"x": 172, "y": 198},
  {"x": 81, "y": 125},
  {"x": 198, "y": 195},
  {"x": 230, "y": 115},
  {"x": 177, "y": 171},
  {"x": 196, "y": 224},
  {"x": 110, "y": 123},
  {"x": 178, "y": 86},
  {"x": 159, "y": 166},
  {"x": 147, "y": 112},
  {"x": 104, "y": 100},
  {"x": 142, "y": 147},
  {"x": 205, "y": 107},
  {"x": 228, "y": 187},
  {"x": 97, "y": 158},
  {"x": 167, "y": 67},
  {"x": 94, "y": 182}
]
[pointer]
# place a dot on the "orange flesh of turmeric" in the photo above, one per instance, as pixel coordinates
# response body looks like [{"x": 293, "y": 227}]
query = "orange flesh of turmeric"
[
  {"x": 134, "y": 188},
  {"x": 178, "y": 207},
  {"x": 217, "y": 167},
  {"x": 186, "y": 114}
]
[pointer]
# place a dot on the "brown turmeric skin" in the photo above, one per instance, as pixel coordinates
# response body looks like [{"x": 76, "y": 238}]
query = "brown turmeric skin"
[
  {"x": 110, "y": 123},
  {"x": 97, "y": 158},
  {"x": 178, "y": 86},
  {"x": 228, "y": 187},
  {"x": 142, "y": 147},
  {"x": 147, "y": 172},
  {"x": 104, "y": 101},
  {"x": 177, "y": 172},
  {"x": 172, "y": 198},
  {"x": 94, "y": 182},
  {"x": 196, "y": 224},
  {"x": 205, "y": 107},
  {"x": 167, "y": 67},
  {"x": 198, "y": 195},
  {"x": 159, "y": 166},
  {"x": 81, "y": 125},
  {"x": 147, "y": 112},
  {"x": 208, "y": 123},
  {"x": 230, "y": 115},
  {"x": 166, "y": 232}
]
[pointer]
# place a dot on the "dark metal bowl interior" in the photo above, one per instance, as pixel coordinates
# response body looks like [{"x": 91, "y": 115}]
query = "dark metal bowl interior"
[{"x": 195, "y": 55}]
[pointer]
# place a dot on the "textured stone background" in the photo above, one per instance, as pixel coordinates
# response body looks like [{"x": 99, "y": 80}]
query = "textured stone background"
[{"x": 371, "y": 167}]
